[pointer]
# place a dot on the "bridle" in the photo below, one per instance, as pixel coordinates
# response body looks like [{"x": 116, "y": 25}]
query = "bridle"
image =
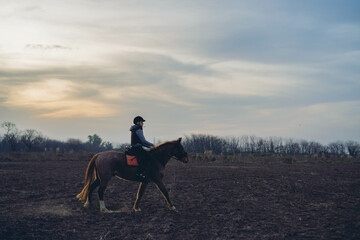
[{"x": 184, "y": 156}]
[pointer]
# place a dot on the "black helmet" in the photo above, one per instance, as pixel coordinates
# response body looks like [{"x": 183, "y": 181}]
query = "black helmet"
[{"x": 138, "y": 119}]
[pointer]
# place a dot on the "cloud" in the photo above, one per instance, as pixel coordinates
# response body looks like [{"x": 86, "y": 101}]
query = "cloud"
[
  {"x": 245, "y": 79},
  {"x": 60, "y": 93},
  {"x": 153, "y": 93},
  {"x": 125, "y": 76},
  {"x": 55, "y": 98},
  {"x": 46, "y": 47}
]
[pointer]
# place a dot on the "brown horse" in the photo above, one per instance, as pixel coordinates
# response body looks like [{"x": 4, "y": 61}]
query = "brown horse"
[{"x": 104, "y": 165}]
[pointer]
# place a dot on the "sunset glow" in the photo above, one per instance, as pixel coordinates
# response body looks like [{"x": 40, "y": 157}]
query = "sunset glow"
[{"x": 54, "y": 99}]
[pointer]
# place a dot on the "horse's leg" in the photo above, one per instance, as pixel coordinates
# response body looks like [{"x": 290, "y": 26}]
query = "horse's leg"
[
  {"x": 104, "y": 180},
  {"x": 165, "y": 193},
  {"x": 139, "y": 195},
  {"x": 101, "y": 191},
  {"x": 91, "y": 189}
]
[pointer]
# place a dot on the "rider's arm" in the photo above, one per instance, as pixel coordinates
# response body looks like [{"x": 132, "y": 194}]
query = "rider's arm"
[{"x": 140, "y": 134}]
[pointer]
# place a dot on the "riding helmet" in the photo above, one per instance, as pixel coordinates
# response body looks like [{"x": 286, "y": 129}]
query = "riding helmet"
[{"x": 138, "y": 119}]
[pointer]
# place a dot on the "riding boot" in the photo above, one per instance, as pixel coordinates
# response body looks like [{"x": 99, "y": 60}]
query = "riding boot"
[
  {"x": 141, "y": 173},
  {"x": 148, "y": 163}
]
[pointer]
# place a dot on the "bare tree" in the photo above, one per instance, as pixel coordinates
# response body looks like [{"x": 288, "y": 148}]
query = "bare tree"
[
  {"x": 233, "y": 145},
  {"x": 245, "y": 144},
  {"x": 353, "y": 148},
  {"x": 313, "y": 148},
  {"x": 200, "y": 143},
  {"x": 292, "y": 147},
  {"x": 11, "y": 135},
  {"x": 31, "y": 138},
  {"x": 278, "y": 144},
  {"x": 336, "y": 148},
  {"x": 304, "y": 147},
  {"x": 252, "y": 143}
]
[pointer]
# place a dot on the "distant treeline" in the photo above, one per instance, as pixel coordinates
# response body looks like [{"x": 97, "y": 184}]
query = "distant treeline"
[
  {"x": 200, "y": 143},
  {"x": 31, "y": 140}
]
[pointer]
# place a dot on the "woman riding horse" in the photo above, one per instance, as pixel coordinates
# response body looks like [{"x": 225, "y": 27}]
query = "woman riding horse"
[
  {"x": 138, "y": 141},
  {"x": 104, "y": 165}
]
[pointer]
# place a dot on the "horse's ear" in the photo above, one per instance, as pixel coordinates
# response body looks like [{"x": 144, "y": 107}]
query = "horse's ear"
[{"x": 179, "y": 140}]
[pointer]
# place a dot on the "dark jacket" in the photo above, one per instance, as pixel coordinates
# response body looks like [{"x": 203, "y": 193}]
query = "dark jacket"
[{"x": 137, "y": 137}]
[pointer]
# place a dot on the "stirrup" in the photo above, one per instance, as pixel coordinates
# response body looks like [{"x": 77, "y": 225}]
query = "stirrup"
[{"x": 141, "y": 176}]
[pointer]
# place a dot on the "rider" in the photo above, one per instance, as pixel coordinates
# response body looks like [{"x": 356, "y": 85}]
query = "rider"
[{"x": 138, "y": 142}]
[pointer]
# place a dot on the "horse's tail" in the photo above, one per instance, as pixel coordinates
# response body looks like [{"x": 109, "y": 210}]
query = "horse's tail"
[{"x": 90, "y": 177}]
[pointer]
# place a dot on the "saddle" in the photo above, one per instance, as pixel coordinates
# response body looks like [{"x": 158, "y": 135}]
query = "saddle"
[{"x": 131, "y": 159}]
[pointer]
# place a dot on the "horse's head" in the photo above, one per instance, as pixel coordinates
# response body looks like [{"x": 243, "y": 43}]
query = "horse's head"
[
  {"x": 171, "y": 149},
  {"x": 179, "y": 152}
]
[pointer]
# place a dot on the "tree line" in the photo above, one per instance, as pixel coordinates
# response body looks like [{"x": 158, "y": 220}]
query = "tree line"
[
  {"x": 200, "y": 143},
  {"x": 32, "y": 140}
]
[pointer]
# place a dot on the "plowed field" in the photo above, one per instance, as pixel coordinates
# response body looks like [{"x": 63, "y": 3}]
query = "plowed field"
[{"x": 214, "y": 201}]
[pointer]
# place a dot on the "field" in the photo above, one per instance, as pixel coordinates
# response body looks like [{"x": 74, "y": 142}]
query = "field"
[{"x": 214, "y": 201}]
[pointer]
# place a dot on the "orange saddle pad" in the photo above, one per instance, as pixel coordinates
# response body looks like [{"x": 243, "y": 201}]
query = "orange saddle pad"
[{"x": 131, "y": 161}]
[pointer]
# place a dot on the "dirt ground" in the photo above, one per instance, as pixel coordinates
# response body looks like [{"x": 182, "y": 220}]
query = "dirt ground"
[{"x": 214, "y": 200}]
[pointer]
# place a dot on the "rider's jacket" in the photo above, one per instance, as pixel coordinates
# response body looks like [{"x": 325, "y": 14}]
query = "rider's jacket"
[{"x": 137, "y": 137}]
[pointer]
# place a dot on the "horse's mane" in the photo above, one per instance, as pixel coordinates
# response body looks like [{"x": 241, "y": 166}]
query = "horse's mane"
[{"x": 164, "y": 143}]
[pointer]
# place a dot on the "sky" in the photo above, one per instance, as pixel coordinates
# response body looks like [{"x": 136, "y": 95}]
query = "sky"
[{"x": 282, "y": 68}]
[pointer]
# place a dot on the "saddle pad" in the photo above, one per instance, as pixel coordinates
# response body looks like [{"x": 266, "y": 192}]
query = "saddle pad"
[{"x": 131, "y": 161}]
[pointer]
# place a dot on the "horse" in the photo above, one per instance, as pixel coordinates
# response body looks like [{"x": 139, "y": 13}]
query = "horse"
[{"x": 103, "y": 166}]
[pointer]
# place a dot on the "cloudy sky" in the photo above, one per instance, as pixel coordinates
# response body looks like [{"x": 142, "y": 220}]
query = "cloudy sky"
[{"x": 282, "y": 68}]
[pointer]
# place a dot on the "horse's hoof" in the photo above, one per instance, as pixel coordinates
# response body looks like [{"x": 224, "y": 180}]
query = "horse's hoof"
[
  {"x": 137, "y": 209},
  {"x": 105, "y": 211},
  {"x": 87, "y": 205},
  {"x": 173, "y": 208}
]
